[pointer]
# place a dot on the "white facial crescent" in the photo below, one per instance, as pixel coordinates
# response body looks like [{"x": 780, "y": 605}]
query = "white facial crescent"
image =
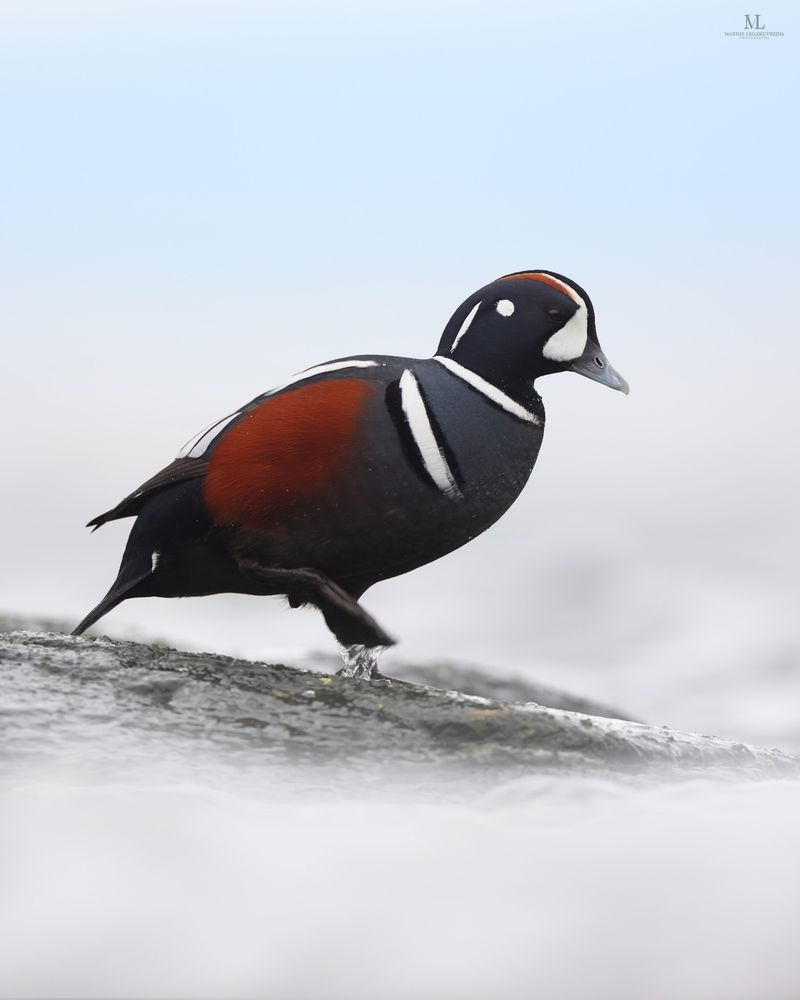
[{"x": 569, "y": 342}]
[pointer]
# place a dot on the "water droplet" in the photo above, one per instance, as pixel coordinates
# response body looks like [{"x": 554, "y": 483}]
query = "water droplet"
[{"x": 360, "y": 661}]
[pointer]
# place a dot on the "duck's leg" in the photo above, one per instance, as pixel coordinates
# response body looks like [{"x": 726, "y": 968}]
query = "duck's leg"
[{"x": 344, "y": 616}]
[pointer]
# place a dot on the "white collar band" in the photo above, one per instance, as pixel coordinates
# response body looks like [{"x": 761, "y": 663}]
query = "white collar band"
[{"x": 487, "y": 389}]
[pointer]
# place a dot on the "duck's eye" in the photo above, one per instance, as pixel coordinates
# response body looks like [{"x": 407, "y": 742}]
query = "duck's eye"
[
  {"x": 554, "y": 311},
  {"x": 505, "y": 307}
]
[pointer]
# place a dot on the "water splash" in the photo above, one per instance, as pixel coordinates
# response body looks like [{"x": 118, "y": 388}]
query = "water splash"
[{"x": 360, "y": 661}]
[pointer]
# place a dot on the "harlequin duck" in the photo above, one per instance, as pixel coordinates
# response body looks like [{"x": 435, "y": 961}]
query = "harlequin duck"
[{"x": 363, "y": 468}]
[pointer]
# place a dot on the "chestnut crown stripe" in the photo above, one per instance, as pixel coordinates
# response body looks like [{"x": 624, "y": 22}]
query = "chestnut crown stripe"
[{"x": 548, "y": 279}]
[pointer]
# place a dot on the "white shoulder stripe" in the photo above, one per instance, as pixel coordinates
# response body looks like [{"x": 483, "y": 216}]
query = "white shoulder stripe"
[
  {"x": 487, "y": 389},
  {"x": 420, "y": 426},
  {"x": 195, "y": 447},
  {"x": 465, "y": 325}
]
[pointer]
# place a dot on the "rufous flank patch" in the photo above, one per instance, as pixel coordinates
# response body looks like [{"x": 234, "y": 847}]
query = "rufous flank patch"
[{"x": 283, "y": 455}]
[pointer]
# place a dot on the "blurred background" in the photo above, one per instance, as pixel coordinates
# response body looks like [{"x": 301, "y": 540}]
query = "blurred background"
[{"x": 201, "y": 198}]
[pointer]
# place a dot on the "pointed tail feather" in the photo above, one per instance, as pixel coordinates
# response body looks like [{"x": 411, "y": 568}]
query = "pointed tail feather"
[
  {"x": 111, "y": 600},
  {"x": 118, "y": 593}
]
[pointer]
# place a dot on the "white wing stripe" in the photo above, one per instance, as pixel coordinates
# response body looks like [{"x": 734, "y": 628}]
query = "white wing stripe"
[
  {"x": 487, "y": 389},
  {"x": 332, "y": 366},
  {"x": 196, "y": 447},
  {"x": 420, "y": 426}
]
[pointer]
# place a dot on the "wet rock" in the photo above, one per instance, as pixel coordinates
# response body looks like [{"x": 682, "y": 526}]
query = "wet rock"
[
  {"x": 63, "y": 698},
  {"x": 471, "y": 680}
]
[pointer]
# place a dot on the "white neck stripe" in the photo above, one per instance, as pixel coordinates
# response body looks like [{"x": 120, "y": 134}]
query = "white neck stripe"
[
  {"x": 419, "y": 424},
  {"x": 487, "y": 389},
  {"x": 465, "y": 325}
]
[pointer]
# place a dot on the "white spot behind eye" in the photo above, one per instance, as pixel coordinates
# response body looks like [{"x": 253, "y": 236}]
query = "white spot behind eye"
[{"x": 505, "y": 307}]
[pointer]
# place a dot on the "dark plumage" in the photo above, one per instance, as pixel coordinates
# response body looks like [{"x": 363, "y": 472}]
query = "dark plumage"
[{"x": 363, "y": 468}]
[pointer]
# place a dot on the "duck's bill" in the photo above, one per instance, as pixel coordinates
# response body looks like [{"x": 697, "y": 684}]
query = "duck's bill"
[{"x": 594, "y": 365}]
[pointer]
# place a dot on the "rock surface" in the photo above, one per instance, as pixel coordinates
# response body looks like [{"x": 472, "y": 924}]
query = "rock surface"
[
  {"x": 66, "y": 697},
  {"x": 471, "y": 680}
]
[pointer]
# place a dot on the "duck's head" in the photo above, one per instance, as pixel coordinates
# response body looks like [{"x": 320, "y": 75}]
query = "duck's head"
[{"x": 526, "y": 325}]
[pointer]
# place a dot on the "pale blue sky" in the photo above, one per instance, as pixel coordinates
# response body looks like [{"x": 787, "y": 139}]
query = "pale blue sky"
[
  {"x": 201, "y": 198},
  {"x": 243, "y": 143}
]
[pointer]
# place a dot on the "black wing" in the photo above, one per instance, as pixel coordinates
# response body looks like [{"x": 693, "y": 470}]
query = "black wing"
[
  {"x": 186, "y": 468},
  {"x": 179, "y": 471}
]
